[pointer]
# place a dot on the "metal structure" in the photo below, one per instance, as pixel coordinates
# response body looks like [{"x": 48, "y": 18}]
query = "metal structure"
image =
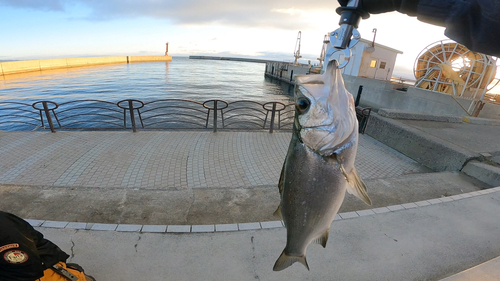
[
  {"x": 135, "y": 114},
  {"x": 296, "y": 52},
  {"x": 326, "y": 41},
  {"x": 449, "y": 67}
]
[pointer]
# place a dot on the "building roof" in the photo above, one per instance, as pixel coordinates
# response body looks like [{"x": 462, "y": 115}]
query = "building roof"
[{"x": 380, "y": 45}]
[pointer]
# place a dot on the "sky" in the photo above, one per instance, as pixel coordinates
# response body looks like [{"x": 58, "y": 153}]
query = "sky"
[{"x": 36, "y": 29}]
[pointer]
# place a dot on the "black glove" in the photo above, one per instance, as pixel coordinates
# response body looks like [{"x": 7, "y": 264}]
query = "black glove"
[{"x": 383, "y": 6}]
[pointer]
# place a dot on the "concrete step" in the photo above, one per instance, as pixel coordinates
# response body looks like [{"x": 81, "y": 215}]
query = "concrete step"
[
  {"x": 485, "y": 172},
  {"x": 413, "y": 188},
  {"x": 428, "y": 150},
  {"x": 488, "y": 271},
  {"x": 496, "y": 159}
]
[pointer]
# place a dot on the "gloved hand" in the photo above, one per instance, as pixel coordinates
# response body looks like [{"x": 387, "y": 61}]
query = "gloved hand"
[{"x": 378, "y": 6}]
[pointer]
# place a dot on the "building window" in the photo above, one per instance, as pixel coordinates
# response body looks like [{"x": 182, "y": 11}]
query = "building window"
[
  {"x": 373, "y": 63},
  {"x": 382, "y": 65}
]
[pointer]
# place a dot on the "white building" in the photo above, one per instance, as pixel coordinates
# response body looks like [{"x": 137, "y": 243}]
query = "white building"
[{"x": 375, "y": 62}]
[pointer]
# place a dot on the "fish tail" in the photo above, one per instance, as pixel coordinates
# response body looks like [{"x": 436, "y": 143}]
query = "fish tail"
[{"x": 285, "y": 261}]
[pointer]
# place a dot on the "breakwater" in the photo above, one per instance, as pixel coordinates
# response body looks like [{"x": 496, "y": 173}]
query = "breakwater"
[
  {"x": 16, "y": 67},
  {"x": 230, "y": 59}
]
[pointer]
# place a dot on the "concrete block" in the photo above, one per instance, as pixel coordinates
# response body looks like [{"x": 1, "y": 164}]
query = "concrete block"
[
  {"x": 456, "y": 197},
  {"x": 12, "y": 67},
  {"x": 155, "y": 228},
  {"x": 76, "y": 225},
  {"x": 129, "y": 227},
  {"x": 226, "y": 227},
  {"x": 104, "y": 226},
  {"x": 409, "y": 205},
  {"x": 35, "y": 222},
  {"x": 434, "y": 201},
  {"x": 203, "y": 228},
  {"x": 249, "y": 226},
  {"x": 445, "y": 199},
  {"x": 411, "y": 115},
  {"x": 394, "y": 208},
  {"x": 363, "y": 213},
  {"x": 270, "y": 224},
  {"x": 484, "y": 172},
  {"x": 427, "y": 150},
  {"x": 149, "y": 58},
  {"x": 381, "y": 210},
  {"x": 179, "y": 228},
  {"x": 348, "y": 215},
  {"x": 55, "y": 224},
  {"x": 53, "y": 64},
  {"x": 76, "y": 62}
]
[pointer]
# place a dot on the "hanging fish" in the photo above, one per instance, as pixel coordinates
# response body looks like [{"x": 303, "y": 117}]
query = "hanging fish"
[{"x": 319, "y": 165}]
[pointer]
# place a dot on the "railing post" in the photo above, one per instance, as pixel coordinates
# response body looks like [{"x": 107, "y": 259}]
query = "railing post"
[
  {"x": 215, "y": 116},
  {"x": 358, "y": 97},
  {"x": 47, "y": 115},
  {"x": 132, "y": 117},
  {"x": 273, "y": 113}
]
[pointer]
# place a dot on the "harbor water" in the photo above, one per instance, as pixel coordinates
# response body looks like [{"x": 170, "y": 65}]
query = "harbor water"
[{"x": 182, "y": 78}]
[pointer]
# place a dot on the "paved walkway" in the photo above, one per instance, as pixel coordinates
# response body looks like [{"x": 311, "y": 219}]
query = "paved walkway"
[
  {"x": 167, "y": 159},
  {"x": 183, "y": 177}
]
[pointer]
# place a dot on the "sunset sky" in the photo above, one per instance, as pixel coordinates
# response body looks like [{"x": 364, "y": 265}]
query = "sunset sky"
[{"x": 34, "y": 29}]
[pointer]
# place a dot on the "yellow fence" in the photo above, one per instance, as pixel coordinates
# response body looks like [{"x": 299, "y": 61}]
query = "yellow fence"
[{"x": 14, "y": 67}]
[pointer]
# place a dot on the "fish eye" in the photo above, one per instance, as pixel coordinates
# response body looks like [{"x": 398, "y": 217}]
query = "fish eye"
[{"x": 302, "y": 104}]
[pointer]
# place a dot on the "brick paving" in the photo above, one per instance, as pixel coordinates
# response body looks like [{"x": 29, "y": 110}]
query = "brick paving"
[{"x": 168, "y": 160}]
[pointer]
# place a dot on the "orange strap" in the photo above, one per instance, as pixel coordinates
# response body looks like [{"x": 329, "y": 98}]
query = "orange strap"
[{"x": 51, "y": 275}]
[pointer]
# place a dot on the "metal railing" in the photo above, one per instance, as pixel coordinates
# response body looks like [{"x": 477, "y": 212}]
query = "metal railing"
[{"x": 135, "y": 114}]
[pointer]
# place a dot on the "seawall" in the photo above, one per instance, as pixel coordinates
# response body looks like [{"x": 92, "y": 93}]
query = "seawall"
[
  {"x": 229, "y": 59},
  {"x": 15, "y": 67}
]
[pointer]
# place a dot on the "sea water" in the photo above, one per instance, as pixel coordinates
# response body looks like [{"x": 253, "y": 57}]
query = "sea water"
[{"x": 181, "y": 78}]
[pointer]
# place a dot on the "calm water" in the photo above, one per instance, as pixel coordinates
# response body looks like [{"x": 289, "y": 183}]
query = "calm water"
[{"x": 183, "y": 78}]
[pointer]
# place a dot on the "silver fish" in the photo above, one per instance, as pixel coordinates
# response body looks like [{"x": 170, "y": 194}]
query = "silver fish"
[{"x": 319, "y": 165}]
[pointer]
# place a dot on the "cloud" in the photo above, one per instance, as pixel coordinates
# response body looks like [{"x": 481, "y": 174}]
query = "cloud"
[
  {"x": 51, "y": 5},
  {"x": 256, "y": 13}
]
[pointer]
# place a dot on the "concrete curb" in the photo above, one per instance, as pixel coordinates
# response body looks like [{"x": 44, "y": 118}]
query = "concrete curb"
[
  {"x": 408, "y": 115},
  {"x": 480, "y": 121},
  {"x": 210, "y": 228},
  {"x": 427, "y": 150},
  {"x": 482, "y": 171}
]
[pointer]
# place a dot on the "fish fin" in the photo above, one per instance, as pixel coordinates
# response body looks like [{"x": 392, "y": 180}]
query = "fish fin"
[
  {"x": 322, "y": 239},
  {"x": 285, "y": 261},
  {"x": 277, "y": 213},
  {"x": 357, "y": 186}
]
